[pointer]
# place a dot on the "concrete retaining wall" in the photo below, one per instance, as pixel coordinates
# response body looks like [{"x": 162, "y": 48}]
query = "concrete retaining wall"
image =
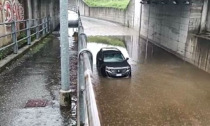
[
  {"x": 72, "y": 3},
  {"x": 174, "y": 28},
  {"x": 10, "y": 10},
  {"x": 198, "y": 52},
  {"x": 124, "y": 17},
  {"x": 208, "y": 17},
  {"x": 43, "y": 8},
  {"x": 166, "y": 25},
  {"x": 26, "y": 9}
]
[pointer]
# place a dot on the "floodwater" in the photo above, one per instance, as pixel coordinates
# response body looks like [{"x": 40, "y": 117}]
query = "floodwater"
[{"x": 163, "y": 89}]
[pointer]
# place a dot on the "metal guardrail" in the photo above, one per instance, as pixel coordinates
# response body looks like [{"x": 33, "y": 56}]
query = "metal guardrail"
[
  {"x": 32, "y": 27},
  {"x": 87, "y": 112}
]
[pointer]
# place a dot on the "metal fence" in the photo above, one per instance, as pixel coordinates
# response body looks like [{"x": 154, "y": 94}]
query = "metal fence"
[
  {"x": 30, "y": 29},
  {"x": 87, "y": 112}
]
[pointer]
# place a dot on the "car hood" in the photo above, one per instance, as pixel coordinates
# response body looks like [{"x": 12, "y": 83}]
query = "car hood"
[{"x": 117, "y": 64}]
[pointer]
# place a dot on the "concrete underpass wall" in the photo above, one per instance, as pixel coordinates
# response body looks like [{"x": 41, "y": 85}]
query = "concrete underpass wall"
[
  {"x": 26, "y": 9},
  {"x": 198, "y": 52},
  {"x": 197, "y": 49},
  {"x": 208, "y": 17},
  {"x": 137, "y": 14},
  {"x": 124, "y": 17},
  {"x": 11, "y": 10},
  {"x": 43, "y": 8},
  {"x": 175, "y": 28},
  {"x": 73, "y": 3},
  {"x": 166, "y": 25}
]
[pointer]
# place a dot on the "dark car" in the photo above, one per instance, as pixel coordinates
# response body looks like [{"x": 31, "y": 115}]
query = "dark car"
[{"x": 111, "y": 62}]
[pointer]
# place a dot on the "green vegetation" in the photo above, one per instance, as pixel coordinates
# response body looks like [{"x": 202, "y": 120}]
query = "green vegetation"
[
  {"x": 41, "y": 44},
  {"x": 106, "y": 40},
  {"x": 23, "y": 42},
  {"x": 119, "y": 4},
  {"x": 5, "y": 52}
]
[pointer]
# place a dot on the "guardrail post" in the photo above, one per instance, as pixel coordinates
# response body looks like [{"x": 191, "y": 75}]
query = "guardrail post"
[
  {"x": 82, "y": 111},
  {"x": 83, "y": 42},
  {"x": 80, "y": 30},
  {"x": 37, "y": 28},
  {"x": 14, "y": 37},
  {"x": 90, "y": 56},
  {"x": 43, "y": 26},
  {"x": 47, "y": 25},
  {"x": 28, "y": 32}
]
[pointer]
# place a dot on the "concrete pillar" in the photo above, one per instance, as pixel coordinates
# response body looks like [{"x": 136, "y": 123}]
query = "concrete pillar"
[
  {"x": 208, "y": 18},
  {"x": 65, "y": 98},
  {"x": 35, "y": 9},
  {"x": 52, "y": 13},
  {"x": 204, "y": 16},
  {"x": 29, "y": 9}
]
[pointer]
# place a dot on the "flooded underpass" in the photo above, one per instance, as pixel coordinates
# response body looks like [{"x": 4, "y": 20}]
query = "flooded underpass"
[{"x": 163, "y": 89}]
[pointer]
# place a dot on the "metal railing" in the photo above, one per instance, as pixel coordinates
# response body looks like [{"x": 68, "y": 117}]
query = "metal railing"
[
  {"x": 87, "y": 112},
  {"x": 30, "y": 28}
]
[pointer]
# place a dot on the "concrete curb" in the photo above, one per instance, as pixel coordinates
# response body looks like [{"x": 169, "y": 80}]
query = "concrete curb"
[{"x": 4, "y": 63}]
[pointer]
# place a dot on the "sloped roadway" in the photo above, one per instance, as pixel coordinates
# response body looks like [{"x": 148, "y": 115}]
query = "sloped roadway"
[{"x": 163, "y": 89}]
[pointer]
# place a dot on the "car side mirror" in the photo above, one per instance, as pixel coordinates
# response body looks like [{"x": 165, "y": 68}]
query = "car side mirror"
[{"x": 127, "y": 59}]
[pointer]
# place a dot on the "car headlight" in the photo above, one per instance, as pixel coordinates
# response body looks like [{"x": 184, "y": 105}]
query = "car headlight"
[
  {"x": 108, "y": 68},
  {"x": 128, "y": 68}
]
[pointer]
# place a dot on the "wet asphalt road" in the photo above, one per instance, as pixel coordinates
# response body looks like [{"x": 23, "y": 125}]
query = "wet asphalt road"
[
  {"x": 163, "y": 89},
  {"x": 34, "y": 76}
]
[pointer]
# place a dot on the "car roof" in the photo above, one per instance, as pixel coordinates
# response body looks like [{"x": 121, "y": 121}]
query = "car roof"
[{"x": 108, "y": 49}]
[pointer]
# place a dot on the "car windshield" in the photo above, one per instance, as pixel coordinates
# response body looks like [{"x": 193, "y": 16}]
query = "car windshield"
[{"x": 113, "y": 57}]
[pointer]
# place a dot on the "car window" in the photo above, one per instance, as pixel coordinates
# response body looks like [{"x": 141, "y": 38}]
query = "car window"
[{"x": 113, "y": 57}]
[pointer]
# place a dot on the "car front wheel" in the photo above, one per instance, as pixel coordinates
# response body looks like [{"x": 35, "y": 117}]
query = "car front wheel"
[
  {"x": 129, "y": 74},
  {"x": 103, "y": 73}
]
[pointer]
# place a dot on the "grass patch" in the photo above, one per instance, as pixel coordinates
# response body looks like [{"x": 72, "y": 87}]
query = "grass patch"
[
  {"x": 41, "y": 44},
  {"x": 106, "y": 40},
  {"x": 118, "y": 4},
  {"x": 5, "y": 52}
]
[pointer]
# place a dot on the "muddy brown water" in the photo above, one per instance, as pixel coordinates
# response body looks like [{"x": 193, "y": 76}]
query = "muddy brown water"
[{"x": 163, "y": 89}]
